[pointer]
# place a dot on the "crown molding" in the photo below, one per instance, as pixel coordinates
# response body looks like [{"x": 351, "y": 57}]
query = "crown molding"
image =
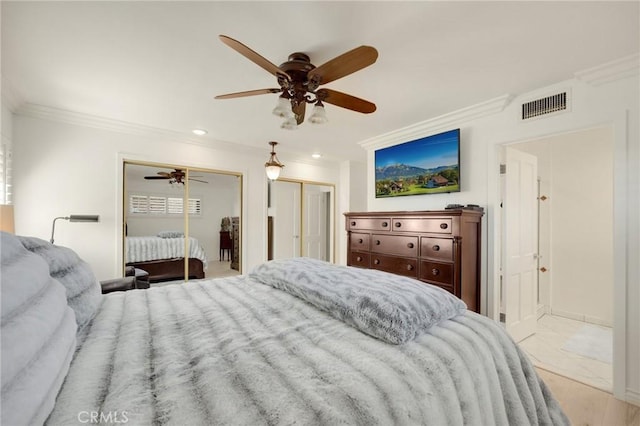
[
  {"x": 96, "y": 122},
  {"x": 618, "y": 69},
  {"x": 424, "y": 128}
]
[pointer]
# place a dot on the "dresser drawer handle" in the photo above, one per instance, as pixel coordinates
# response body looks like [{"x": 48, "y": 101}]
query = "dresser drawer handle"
[
  {"x": 353, "y": 224},
  {"x": 360, "y": 241},
  {"x": 409, "y": 267},
  {"x": 376, "y": 261},
  {"x": 359, "y": 258},
  {"x": 436, "y": 248},
  {"x": 385, "y": 224},
  {"x": 410, "y": 245},
  {"x": 398, "y": 224},
  {"x": 377, "y": 242},
  {"x": 435, "y": 271},
  {"x": 443, "y": 226}
]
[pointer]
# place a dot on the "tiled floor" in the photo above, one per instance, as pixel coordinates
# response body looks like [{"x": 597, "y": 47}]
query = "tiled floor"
[{"x": 545, "y": 351}]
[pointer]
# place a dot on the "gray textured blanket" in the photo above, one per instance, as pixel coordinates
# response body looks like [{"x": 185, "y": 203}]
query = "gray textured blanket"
[
  {"x": 235, "y": 352},
  {"x": 142, "y": 249}
]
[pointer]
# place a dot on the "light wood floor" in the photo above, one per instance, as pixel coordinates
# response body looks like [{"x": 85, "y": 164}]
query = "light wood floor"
[{"x": 585, "y": 405}]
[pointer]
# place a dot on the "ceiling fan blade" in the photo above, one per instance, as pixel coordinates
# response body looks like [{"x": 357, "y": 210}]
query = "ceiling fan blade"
[
  {"x": 345, "y": 64},
  {"x": 166, "y": 174},
  {"x": 345, "y": 101},
  {"x": 299, "y": 111},
  {"x": 248, "y": 93},
  {"x": 253, "y": 56},
  {"x": 198, "y": 180},
  {"x": 157, "y": 177}
]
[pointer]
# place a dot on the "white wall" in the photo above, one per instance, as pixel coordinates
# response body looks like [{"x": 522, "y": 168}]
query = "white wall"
[
  {"x": 62, "y": 168},
  {"x": 608, "y": 102},
  {"x": 576, "y": 223}
]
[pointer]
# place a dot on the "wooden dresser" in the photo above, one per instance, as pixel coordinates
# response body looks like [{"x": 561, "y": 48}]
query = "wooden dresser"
[{"x": 439, "y": 247}]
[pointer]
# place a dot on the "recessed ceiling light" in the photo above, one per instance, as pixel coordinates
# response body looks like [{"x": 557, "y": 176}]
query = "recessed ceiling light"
[
  {"x": 199, "y": 132},
  {"x": 316, "y": 155}
]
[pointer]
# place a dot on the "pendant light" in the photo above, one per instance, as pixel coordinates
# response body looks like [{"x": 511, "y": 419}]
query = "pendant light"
[{"x": 273, "y": 166}]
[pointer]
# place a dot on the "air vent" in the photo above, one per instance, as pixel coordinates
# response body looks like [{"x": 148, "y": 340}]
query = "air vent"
[{"x": 544, "y": 106}]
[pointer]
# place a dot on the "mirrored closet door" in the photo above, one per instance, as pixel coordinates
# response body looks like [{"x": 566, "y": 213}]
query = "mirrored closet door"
[
  {"x": 170, "y": 211},
  {"x": 300, "y": 220}
]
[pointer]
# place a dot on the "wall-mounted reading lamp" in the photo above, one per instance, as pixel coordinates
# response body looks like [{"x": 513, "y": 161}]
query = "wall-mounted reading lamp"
[{"x": 74, "y": 218}]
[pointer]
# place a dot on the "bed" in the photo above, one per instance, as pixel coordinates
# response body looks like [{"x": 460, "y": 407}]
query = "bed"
[
  {"x": 295, "y": 341},
  {"x": 163, "y": 257}
]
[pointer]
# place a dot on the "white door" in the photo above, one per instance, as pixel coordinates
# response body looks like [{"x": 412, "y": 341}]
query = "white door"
[
  {"x": 285, "y": 202},
  {"x": 315, "y": 222},
  {"x": 520, "y": 274}
]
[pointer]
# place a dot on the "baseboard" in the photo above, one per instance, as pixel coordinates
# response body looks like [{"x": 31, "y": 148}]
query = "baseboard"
[
  {"x": 581, "y": 317},
  {"x": 633, "y": 397},
  {"x": 542, "y": 309}
]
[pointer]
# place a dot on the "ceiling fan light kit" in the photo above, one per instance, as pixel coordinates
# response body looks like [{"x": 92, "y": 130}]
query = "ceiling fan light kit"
[
  {"x": 299, "y": 82},
  {"x": 273, "y": 166}
]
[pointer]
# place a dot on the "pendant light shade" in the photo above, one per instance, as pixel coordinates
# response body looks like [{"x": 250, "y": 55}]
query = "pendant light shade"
[{"x": 273, "y": 166}]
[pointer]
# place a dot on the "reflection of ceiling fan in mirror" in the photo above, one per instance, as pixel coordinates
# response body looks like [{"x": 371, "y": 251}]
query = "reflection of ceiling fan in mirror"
[
  {"x": 299, "y": 82},
  {"x": 175, "y": 177}
]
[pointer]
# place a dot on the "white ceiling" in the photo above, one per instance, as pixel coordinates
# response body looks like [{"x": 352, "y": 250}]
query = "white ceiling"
[{"x": 160, "y": 64}]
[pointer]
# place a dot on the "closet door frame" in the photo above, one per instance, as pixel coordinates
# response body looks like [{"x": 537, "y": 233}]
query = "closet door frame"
[
  {"x": 331, "y": 219},
  {"x": 185, "y": 194}
]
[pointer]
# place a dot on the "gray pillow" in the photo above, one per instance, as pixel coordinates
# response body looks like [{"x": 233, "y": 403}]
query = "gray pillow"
[
  {"x": 38, "y": 335},
  {"x": 84, "y": 295},
  {"x": 171, "y": 234},
  {"x": 392, "y": 308}
]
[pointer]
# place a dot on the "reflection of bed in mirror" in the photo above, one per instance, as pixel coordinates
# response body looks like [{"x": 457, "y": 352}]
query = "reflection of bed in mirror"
[{"x": 163, "y": 258}]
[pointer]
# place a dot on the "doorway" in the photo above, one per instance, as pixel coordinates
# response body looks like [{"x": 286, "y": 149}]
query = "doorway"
[
  {"x": 570, "y": 242},
  {"x": 170, "y": 210},
  {"x": 300, "y": 220}
]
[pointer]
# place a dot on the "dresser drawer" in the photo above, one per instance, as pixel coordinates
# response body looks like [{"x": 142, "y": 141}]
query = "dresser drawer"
[
  {"x": 395, "y": 265},
  {"x": 359, "y": 242},
  {"x": 440, "y": 273},
  {"x": 395, "y": 244},
  {"x": 374, "y": 224},
  {"x": 437, "y": 248},
  {"x": 430, "y": 225},
  {"x": 360, "y": 260}
]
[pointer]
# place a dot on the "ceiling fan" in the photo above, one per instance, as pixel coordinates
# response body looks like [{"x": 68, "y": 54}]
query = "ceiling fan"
[
  {"x": 299, "y": 82},
  {"x": 177, "y": 176}
]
